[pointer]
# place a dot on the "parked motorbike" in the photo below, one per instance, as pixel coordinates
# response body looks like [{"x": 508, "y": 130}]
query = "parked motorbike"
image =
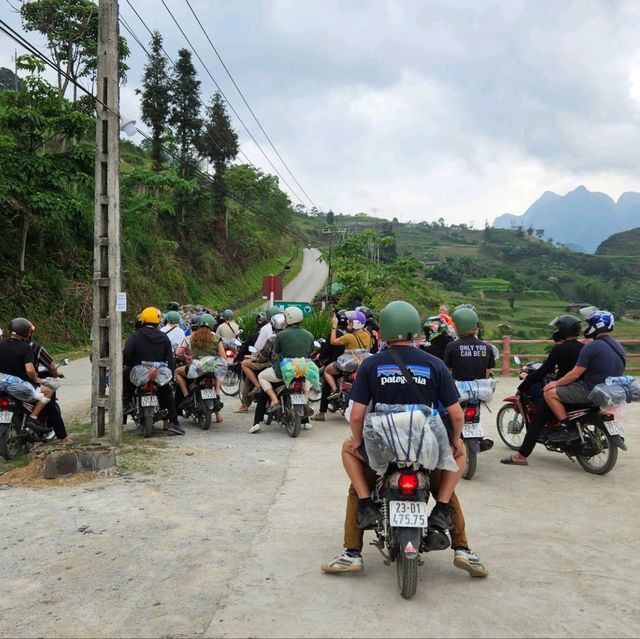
[
  {"x": 599, "y": 434},
  {"x": 148, "y": 377},
  {"x": 16, "y": 436}
]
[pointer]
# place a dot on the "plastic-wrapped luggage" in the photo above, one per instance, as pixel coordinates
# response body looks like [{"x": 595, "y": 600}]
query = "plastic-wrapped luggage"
[
  {"x": 406, "y": 432},
  {"x": 349, "y": 361},
  {"x": 17, "y": 387},
  {"x": 615, "y": 391},
  {"x": 207, "y": 365},
  {"x": 478, "y": 389},
  {"x": 300, "y": 367},
  {"x": 144, "y": 372}
]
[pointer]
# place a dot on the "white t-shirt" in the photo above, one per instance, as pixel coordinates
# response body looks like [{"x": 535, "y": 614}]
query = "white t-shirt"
[
  {"x": 175, "y": 334},
  {"x": 263, "y": 337}
]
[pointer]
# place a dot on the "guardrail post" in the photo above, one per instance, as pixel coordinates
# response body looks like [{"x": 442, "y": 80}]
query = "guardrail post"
[{"x": 506, "y": 355}]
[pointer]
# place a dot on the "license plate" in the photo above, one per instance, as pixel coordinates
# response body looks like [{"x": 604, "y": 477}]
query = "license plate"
[
  {"x": 614, "y": 427},
  {"x": 408, "y": 514},
  {"x": 472, "y": 430},
  {"x": 5, "y": 417},
  {"x": 297, "y": 399},
  {"x": 149, "y": 400},
  {"x": 208, "y": 393}
]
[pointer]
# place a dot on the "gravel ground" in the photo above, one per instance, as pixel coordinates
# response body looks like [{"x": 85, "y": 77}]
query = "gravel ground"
[{"x": 227, "y": 536}]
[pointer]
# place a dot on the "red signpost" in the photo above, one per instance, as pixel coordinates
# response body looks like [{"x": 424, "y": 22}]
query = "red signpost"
[{"x": 272, "y": 287}]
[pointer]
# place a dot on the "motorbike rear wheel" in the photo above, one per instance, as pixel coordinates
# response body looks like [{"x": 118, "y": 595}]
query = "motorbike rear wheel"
[
  {"x": 204, "y": 416},
  {"x": 604, "y": 461},
  {"x": 407, "y": 571},
  {"x": 231, "y": 383},
  {"x": 292, "y": 422},
  {"x": 10, "y": 444},
  {"x": 147, "y": 421},
  {"x": 509, "y": 420},
  {"x": 471, "y": 463}
]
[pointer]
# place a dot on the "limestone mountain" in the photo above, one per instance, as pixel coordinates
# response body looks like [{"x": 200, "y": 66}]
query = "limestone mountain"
[{"x": 581, "y": 219}]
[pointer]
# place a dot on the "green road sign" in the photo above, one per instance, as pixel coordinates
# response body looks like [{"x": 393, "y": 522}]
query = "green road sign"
[{"x": 305, "y": 307}]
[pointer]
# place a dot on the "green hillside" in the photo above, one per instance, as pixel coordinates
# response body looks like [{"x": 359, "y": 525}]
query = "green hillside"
[{"x": 626, "y": 243}]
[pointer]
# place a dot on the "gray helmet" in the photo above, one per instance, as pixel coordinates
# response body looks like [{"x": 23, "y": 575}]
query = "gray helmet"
[
  {"x": 21, "y": 327},
  {"x": 278, "y": 322}
]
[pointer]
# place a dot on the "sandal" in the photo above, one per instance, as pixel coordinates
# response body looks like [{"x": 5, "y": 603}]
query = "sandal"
[
  {"x": 510, "y": 461},
  {"x": 318, "y": 418},
  {"x": 219, "y": 419},
  {"x": 241, "y": 409}
]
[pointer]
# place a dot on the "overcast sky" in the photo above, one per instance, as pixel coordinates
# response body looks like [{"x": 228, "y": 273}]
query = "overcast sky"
[{"x": 462, "y": 109}]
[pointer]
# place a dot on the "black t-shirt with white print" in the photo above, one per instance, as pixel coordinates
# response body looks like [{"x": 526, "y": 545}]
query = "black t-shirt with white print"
[{"x": 469, "y": 358}]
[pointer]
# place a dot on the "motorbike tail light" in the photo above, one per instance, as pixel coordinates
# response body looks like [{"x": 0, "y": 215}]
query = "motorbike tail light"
[
  {"x": 469, "y": 413},
  {"x": 607, "y": 417},
  {"x": 5, "y": 402},
  {"x": 148, "y": 387},
  {"x": 229, "y": 353},
  {"x": 207, "y": 382},
  {"x": 408, "y": 483},
  {"x": 297, "y": 385}
]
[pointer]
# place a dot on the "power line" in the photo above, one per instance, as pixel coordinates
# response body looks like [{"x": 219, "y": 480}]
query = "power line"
[
  {"x": 173, "y": 64},
  {"x": 235, "y": 84},
  {"x": 14, "y": 35},
  {"x": 246, "y": 128}
]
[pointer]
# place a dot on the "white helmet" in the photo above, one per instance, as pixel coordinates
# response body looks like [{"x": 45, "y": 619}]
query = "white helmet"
[
  {"x": 293, "y": 315},
  {"x": 278, "y": 322}
]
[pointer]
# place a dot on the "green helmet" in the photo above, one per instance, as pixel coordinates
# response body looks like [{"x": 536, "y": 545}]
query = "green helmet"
[
  {"x": 207, "y": 320},
  {"x": 273, "y": 310},
  {"x": 466, "y": 320},
  {"x": 399, "y": 321},
  {"x": 228, "y": 314},
  {"x": 172, "y": 317}
]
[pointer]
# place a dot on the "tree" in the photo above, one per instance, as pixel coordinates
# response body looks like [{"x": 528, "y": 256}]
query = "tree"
[
  {"x": 330, "y": 217},
  {"x": 185, "y": 114},
  {"x": 9, "y": 81},
  {"x": 219, "y": 144},
  {"x": 539, "y": 233},
  {"x": 42, "y": 170},
  {"x": 530, "y": 230},
  {"x": 155, "y": 103},
  {"x": 71, "y": 30}
]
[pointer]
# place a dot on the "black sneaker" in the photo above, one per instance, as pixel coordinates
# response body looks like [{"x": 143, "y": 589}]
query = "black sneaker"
[
  {"x": 37, "y": 426},
  {"x": 440, "y": 517},
  {"x": 368, "y": 513},
  {"x": 176, "y": 429}
]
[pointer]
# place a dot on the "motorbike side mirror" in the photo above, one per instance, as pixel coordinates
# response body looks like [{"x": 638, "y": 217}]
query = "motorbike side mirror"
[
  {"x": 237, "y": 342},
  {"x": 517, "y": 360},
  {"x": 253, "y": 349},
  {"x": 65, "y": 362},
  {"x": 240, "y": 331},
  {"x": 316, "y": 343}
]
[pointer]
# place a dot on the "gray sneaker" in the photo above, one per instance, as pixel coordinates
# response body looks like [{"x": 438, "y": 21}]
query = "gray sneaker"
[
  {"x": 344, "y": 562},
  {"x": 176, "y": 429},
  {"x": 466, "y": 559}
]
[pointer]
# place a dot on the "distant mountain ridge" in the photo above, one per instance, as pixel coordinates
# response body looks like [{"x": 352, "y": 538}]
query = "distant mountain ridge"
[
  {"x": 581, "y": 219},
  {"x": 623, "y": 243}
]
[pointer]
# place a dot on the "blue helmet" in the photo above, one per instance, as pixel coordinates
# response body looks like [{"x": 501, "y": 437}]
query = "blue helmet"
[{"x": 599, "y": 322}]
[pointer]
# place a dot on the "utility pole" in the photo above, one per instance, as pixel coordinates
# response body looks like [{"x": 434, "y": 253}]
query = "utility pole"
[{"x": 107, "y": 326}]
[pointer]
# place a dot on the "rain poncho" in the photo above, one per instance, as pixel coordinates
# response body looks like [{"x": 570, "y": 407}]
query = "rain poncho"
[
  {"x": 477, "y": 390},
  {"x": 615, "y": 391},
  {"x": 18, "y": 388},
  {"x": 144, "y": 372},
  {"x": 210, "y": 364},
  {"x": 299, "y": 367},
  {"x": 407, "y": 432},
  {"x": 349, "y": 361}
]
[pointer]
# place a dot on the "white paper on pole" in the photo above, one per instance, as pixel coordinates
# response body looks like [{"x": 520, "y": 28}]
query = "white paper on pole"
[{"x": 121, "y": 302}]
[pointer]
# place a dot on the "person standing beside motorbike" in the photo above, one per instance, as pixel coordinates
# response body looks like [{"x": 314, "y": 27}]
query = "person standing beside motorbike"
[
  {"x": 228, "y": 328},
  {"x": 293, "y": 342},
  {"x": 603, "y": 357},
  {"x": 356, "y": 338},
  {"x": 17, "y": 358},
  {"x": 150, "y": 344},
  {"x": 561, "y": 360},
  {"x": 203, "y": 342},
  {"x": 328, "y": 354}
]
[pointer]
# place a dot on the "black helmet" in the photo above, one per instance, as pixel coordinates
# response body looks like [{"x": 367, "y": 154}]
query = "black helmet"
[
  {"x": 21, "y": 327},
  {"x": 566, "y": 326},
  {"x": 174, "y": 306},
  {"x": 366, "y": 311},
  {"x": 261, "y": 318},
  {"x": 342, "y": 317}
]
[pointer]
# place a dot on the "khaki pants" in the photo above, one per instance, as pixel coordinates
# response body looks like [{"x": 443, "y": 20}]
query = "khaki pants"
[
  {"x": 353, "y": 536},
  {"x": 247, "y": 387},
  {"x": 268, "y": 378}
]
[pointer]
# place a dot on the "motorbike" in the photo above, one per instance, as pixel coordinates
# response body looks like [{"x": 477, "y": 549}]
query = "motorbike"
[
  {"x": 473, "y": 437},
  {"x": 599, "y": 433},
  {"x": 234, "y": 378},
  {"x": 202, "y": 394},
  {"x": 148, "y": 377},
  {"x": 293, "y": 406},
  {"x": 16, "y": 436}
]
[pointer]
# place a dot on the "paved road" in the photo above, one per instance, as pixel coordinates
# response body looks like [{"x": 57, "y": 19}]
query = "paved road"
[
  {"x": 310, "y": 280},
  {"x": 227, "y": 537}
]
